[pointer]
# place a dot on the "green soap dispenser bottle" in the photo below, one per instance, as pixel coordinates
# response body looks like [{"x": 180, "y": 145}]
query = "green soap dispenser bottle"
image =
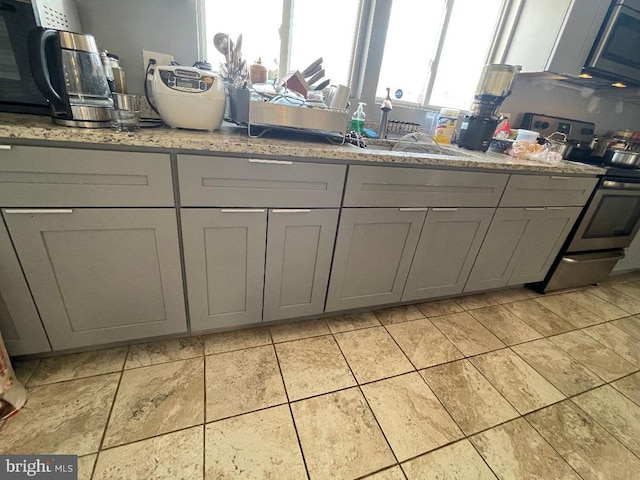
[{"x": 357, "y": 121}]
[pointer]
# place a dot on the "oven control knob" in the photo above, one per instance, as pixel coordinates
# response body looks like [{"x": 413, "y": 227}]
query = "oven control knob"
[
  {"x": 537, "y": 124},
  {"x": 587, "y": 131},
  {"x": 545, "y": 125}
]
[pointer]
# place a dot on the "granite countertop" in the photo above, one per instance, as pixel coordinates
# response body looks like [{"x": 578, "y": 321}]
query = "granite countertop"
[{"x": 232, "y": 139}]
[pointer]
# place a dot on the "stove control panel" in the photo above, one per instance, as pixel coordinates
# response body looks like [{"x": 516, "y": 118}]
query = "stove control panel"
[{"x": 575, "y": 130}]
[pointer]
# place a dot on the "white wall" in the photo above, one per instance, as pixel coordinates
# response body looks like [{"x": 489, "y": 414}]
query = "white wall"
[
  {"x": 126, "y": 27},
  {"x": 551, "y": 98}
]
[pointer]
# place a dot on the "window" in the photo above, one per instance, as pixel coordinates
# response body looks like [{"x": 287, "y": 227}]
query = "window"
[
  {"x": 326, "y": 30},
  {"x": 411, "y": 61},
  {"x": 432, "y": 50},
  {"x": 257, "y": 21}
]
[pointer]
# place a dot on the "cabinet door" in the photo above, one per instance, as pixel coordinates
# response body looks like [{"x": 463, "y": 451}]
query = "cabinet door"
[
  {"x": 299, "y": 248},
  {"x": 447, "y": 248},
  {"x": 101, "y": 275},
  {"x": 520, "y": 246},
  {"x": 224, "y": 260},
  {"x": 373, "y": 253},
  {"x": 19, "y": 320},
  {"x": 539, "y": 247}
]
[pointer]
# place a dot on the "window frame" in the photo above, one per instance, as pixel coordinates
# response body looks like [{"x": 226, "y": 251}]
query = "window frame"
[{"x": 368, "y": 47}]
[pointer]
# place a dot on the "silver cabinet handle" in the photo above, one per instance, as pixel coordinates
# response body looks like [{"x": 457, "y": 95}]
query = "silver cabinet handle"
[
  {"x": 556, "y": 208},
  {"x": 553, "y": 177},
  {"x": 444, "y": 209},
  {"x": 5, "y": 147},
  {"x": 534, "y": 209},
  {"x": 242, "y": 210},
  {"x": 413, "y": 209},
  {"x": 621, "y": 185},
  {"x": 270, "y": 162},
  {"x": 40, "y": 210},
  {"x": 291, "y": 210}
]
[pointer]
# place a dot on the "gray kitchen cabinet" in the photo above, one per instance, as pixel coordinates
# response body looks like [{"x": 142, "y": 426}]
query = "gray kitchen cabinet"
[
  {"x": 73, "y": 177},
  {"x": 547, "y": 190},
  {"x": 563, "y": 32},
  {"x": 20, "y": 323},
  {"x": 448, "y": 245},
  {"x": 520, "y": 246},
  {"x": 373, "y": 253},
  {"x": 101, "y": 275},
  {"x": 224, "y": 254},
  {"x": 369, "y": 186},
  {"x": 299, "y": 249},
  {"x": 207, "y": 181}
]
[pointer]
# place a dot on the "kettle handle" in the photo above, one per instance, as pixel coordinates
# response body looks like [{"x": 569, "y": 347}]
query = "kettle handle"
[{"x": 37, "y": 41}]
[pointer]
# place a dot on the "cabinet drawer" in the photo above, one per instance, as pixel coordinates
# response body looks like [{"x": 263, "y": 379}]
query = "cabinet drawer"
[
  {"x": 247, "y": 182},
  {"x": 65, "y": 177},
  {"x": 547, "y": 190},
  {"x": 412, "y": 187}
]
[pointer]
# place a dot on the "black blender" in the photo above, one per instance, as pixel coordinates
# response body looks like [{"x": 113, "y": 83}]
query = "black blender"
[{"x": 477, "y": 127}]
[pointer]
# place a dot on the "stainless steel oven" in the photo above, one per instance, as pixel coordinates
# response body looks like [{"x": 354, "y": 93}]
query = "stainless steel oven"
[
  {"x": 612, "y": 218},
  {"x": 609, "y": 223},
  {"x": 616, "y": 53}
]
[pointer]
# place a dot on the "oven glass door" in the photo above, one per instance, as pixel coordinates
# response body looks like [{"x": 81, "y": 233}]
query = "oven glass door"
[
  {"x": 613, "y": 53},
  {"x": 612, "y": 218}
]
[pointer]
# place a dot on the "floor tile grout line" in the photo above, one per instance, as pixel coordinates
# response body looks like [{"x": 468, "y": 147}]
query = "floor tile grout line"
[
  {"x": 528, "y": 362},
  {"x": 548, "y": 442},
  {"x": 293, "y": 420},
  {"x": 574, "y": 303},
  {"x": 591, "y": 291},
  {"x": 415, "y": 368},
  {"x": 427, "y": 384},
  {"x": 359, "y": 387},
  {"x": 623, "y": 393},
  {"x": 384, "y": 469},
  {"x": 29, "y": 387},
  {"x": 570, "y": 397},
  {"x": 607, "y": 347},
  {"x": 604, "y": 427},
  {"x": 113, "y": 402},
  {"x": 510, "y": 344},
  {"x": 585, "y": 290},
  {"x": 151, "y": 437},
  {"x": 204, "y": 414},
  {"x": 26, "y": 382},
  {"x": 163, "y": 362},
  {"x": 486, "y": 462},
  {"x": 502, "y": 394},
  {"x": 106, "y": 426}
]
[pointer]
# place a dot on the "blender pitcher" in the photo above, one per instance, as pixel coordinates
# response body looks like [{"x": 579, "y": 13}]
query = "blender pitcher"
[{"x": 68, "y": 71}]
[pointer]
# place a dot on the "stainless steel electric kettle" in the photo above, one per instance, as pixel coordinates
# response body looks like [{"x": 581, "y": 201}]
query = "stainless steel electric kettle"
[{"x": 67, "y": 69}]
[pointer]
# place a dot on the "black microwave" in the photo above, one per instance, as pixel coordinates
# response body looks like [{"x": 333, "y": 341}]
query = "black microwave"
[
  {"x": 616, "y": 52},
  {"x": 18, "y": 91}
]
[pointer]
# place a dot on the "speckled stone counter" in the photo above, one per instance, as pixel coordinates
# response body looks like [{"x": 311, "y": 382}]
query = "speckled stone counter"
[{"x": 232, "y": 139}]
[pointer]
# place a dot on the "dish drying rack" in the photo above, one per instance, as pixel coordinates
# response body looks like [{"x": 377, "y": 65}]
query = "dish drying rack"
[{"x": 262, "y": 116}]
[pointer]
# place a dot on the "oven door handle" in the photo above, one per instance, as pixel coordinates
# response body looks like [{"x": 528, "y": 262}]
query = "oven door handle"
[{"x": 620, "y": 185}]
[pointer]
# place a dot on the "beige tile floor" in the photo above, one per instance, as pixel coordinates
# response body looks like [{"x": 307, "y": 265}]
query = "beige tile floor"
[{"x": 508, "y": 385}]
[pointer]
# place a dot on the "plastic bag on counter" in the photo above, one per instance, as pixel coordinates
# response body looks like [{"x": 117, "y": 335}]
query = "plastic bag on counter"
[
  {"x": 534, "y": 151},
  {"x": 13, "y": 395}
]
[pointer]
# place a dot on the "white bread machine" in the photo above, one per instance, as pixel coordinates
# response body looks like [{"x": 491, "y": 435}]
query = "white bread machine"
[{"x": 188, "y": 97}]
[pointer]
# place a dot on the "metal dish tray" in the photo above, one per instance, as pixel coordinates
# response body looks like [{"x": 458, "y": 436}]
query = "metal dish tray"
[
  {"x": 265, "y": 116},
  {"x": 310, "y": 120}
]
